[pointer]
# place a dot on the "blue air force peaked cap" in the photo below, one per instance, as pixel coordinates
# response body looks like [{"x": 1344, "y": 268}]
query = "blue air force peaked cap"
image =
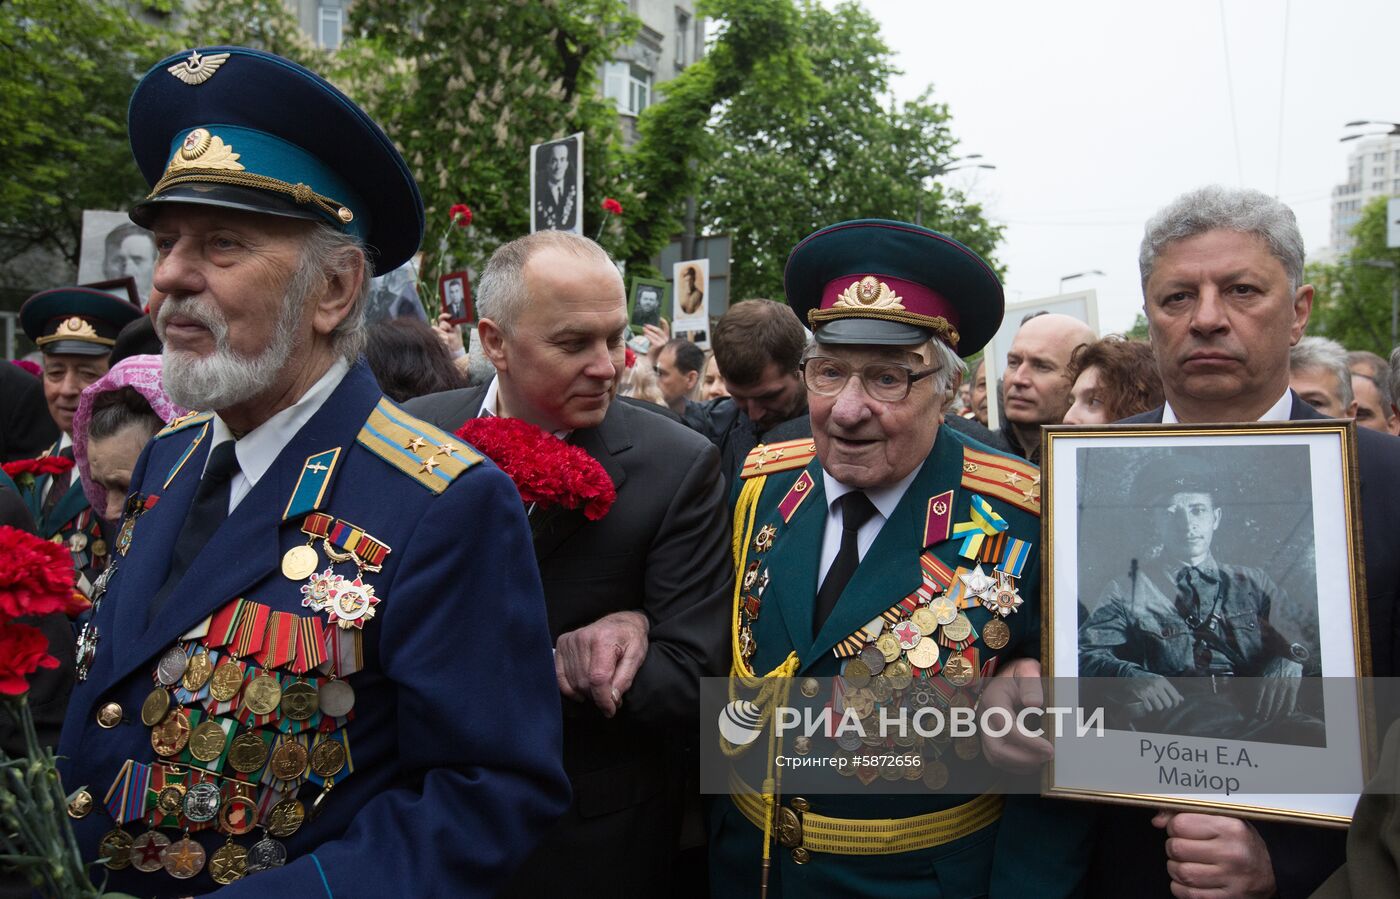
[
  {"x": 75, "y": 320},
  {"x": 874, "y": 281},
  {"x": 243, "y": 129}
]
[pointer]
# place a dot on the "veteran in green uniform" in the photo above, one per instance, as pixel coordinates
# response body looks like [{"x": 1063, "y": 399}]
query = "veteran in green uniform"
[
  {"x": 889, "y": 562},
  {"x": 75, "y": 328}
]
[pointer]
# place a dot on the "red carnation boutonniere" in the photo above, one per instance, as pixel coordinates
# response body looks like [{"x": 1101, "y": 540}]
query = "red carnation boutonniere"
[
  {"x": 24, "y": 471},
  {"x": 546, "y": 470}
]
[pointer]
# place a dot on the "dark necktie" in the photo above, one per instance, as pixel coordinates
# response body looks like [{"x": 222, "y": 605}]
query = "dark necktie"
[
  {"x": 207, "y": 512},
  {"x": 58, "y": 485},
  {"x": 856, "y": 509}
]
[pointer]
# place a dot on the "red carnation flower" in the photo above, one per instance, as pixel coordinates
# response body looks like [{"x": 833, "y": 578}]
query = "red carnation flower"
[
  {"x": 629, "y": 357},
  {"x": 35, "y": 467},
  {"x": 546, "y": 470},
  {"x": 23, "y": 650},
  {"x": 461, "y": 214},
  {"x": 37, "y": 577},
  {"x": 611, "y": 206}
]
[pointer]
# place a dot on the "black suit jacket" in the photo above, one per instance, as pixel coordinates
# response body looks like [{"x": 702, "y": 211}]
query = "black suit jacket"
[
  {"x": 26, "y": 428},
  {"x": 1130, "y": 855},
  {"x": 662, "y": 549}
]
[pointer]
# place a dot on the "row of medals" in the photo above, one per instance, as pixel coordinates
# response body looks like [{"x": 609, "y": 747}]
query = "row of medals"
[
  {"x": 892, "y": 670},
  {"x": 203, "y": 802}
]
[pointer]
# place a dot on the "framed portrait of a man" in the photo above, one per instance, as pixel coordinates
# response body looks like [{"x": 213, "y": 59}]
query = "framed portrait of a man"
[
  {"x": 114, "y": 247},
  {"x": 646, "y": 302},
  {"x": 1205, "y": 607},
  {"x": 454, "y": 289},
  {"x": 690, "y": 302},
  {"x": 556, "y": 185}
]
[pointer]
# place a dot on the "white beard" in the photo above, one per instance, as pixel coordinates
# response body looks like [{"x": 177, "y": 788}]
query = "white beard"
[{"x": 224, "y": 378}]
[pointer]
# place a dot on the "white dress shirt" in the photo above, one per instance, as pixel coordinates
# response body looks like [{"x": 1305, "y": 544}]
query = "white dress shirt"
[
  {"x": 1279, "y": 411},
  {"x": 885, "y": 499},
  {"x": 259, "y": 448}
]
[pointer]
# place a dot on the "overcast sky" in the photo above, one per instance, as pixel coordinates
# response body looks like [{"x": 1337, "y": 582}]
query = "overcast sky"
[{"x": 1096, "y": 114}]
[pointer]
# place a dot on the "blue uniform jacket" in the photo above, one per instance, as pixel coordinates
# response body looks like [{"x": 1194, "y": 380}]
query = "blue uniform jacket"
[{"x": 456, "y": 731}]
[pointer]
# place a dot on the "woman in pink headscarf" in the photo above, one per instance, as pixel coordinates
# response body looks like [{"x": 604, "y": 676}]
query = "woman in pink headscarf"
[{"x": 116, "y": 415}]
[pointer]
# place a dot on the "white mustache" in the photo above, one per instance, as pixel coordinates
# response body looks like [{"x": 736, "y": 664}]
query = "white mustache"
[{"x": 201, "y": 310}]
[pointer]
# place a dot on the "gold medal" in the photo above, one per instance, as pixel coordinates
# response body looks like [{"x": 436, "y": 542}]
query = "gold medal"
[
  {"x": 171, "y": 799},
  {"x": 155, "y": 708},
  {"x": 262, "y": 695},
  {"x": 957, "y": 630},
  {"x": 248, "y": 753},
  {"x": 207, "y": 741},
  {"x": 925, "y": 620},
  {"x": 238, "y": 816},
  {"x": 888, "y": 645},
  {"x": 855, "y": 673},
  {"x": 944, "y": 610},
  {"x": 924, "y": 654},
  {"x": 935, "y": 774},
  {"x": 299, "y": 563},
  {"x": 913, "y": 769},
  {"x": 228, "y": 863},
  {"x": 967, "y": 748},
  {"x": 958, "y": 670},
  {"x": 284, "y": 819},
  {"x": 171, "y": 735},
  {"x": 115, "y": 849},
  {"x": 862, "y": 701},
  {"x": 80, "y": 805},
  {"x": 99, "y": 547},
  {"x": 328, "y": 758},
  {"x": 226, "y": 682},
  {"x": 881, "y": 688},
  {"x": 996, "y": 634},
  {"x": 299, "y": 701},
  {"x": 810, "y": 687},
  {"x": 891, "y": 771},
  {"x": 184, "y": 859},
  {"x": 899, "y": 673},
  {"x": 289, "y": 760},
  {"x": 197, "y": 671}
]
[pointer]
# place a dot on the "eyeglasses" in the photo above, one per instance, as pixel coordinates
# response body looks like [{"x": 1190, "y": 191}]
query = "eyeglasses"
[{"x": 887, "y": 382}]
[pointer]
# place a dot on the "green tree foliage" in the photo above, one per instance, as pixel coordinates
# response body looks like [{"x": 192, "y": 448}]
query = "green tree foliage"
[
  {"x": 466, "y": 88},
  {"x": 810, "y": 140},
  {"x": 268, "y": 25},
  {"x": 1353, "y": 301},
  {"x": 66, "y": 74},
  {"x": 1139, "y": 329}
]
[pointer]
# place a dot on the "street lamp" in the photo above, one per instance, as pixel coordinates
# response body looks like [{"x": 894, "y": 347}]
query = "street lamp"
[
  {"x": 1394, "y": 128},
  {"x": 952, "y": 165},
  {"x": 1064, "y": 278}
]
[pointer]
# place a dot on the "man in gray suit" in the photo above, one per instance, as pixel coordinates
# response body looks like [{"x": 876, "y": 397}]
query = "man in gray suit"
[{"x": 637, "y": 601}]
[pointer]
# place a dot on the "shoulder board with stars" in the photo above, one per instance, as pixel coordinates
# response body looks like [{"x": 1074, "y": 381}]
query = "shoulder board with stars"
[
  {"x": 429, "y": 455},
  {"x": 1007, "y": 478},
  {"x": 187, "y": 420},
  {"x": 769, "y": 458}
]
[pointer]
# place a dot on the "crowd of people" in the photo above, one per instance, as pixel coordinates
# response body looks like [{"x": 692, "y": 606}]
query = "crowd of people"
[{"x": 315, "y": 549}]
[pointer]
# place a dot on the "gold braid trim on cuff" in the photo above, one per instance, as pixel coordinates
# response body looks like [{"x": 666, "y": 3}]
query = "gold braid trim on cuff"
[
  {"x": 300, "y": 193},
  {"x": 937, "y": 323}
]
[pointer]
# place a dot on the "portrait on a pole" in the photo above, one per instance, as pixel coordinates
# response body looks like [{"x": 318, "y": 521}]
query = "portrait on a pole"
[
  {"x": 556, "y": 185},
  {"x": 114, "y": 248},
  {"x": 1203, "y": 600}
]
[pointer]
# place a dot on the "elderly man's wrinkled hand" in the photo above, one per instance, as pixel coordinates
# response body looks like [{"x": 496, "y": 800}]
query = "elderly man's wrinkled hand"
[
  {"x": 1215, "y": 856},
  {"x": 599, "y": 661},
  {"x": 1017, "y": 686},
  {"x": 1278, "y": 689}
]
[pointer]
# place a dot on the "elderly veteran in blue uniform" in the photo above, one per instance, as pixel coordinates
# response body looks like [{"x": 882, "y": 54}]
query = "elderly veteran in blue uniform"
[
  {"x": 321, "y": 666},
  {"x": 888, "y": 562},
  {"x": 75, "y": 328}
]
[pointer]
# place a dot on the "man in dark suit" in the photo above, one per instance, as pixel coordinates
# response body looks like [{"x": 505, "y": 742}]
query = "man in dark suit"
[
  {"x": 25, "y": 424},
  {"x": 1222, "y": 274},
  {"x": 637, "y": 601}
]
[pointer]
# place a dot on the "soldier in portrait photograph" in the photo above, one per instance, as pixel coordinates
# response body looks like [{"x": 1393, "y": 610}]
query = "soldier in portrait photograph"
[
  {"x": 646, "y": 309},
  {"x": 556, "y": 184},
  {"x": 1194, "y": 635},
  {"x": 691, "y": 289}
]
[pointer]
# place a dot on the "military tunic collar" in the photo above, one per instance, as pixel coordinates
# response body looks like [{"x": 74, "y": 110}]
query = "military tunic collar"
[{"x": 259, "y": 448}]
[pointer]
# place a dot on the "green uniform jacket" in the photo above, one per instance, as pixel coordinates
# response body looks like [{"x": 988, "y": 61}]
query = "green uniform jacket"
[{"x": 1039, "y": 847}]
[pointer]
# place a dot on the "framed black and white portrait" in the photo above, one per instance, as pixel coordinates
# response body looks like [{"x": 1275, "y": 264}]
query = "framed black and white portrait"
[
  {"x": 690, "y": 301},
  {"x": 114, "y": 247},
  {"x": 646, "y": 303},
  {"x": 556, "y": 185},
  {"x": 1205, "y": 605},
  {"x": 455, "y": 292}
]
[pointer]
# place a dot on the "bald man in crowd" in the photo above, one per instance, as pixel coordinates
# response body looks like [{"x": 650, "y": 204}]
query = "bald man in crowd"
[{"x": 1037, "y": 378}]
